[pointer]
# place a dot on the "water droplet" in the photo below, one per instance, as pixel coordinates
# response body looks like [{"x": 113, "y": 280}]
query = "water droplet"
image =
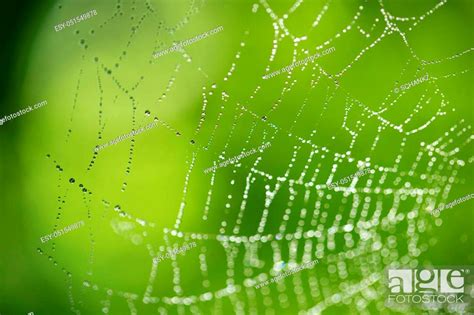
[
  {"x": 117, "y": 208},
  {"x": 71, "y": 180},
  {"x": 147, "y": 112},
  {"x": 86, "y": 283},
  {"x": 214, "y": 86},
  {"x": 192, "y": 141},
  {"x": 264, "y": 118}
]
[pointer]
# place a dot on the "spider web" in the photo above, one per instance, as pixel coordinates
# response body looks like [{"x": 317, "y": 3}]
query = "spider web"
[{"x": 283, "y": 210}]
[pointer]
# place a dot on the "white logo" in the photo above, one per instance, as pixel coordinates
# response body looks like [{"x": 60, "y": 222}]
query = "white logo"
[
  {"x": 427, "y": 285},
  {"x": 426, "y": 281}
]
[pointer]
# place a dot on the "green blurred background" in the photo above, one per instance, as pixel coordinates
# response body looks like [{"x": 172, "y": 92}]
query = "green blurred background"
[{"x": 211, "y": 103}]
